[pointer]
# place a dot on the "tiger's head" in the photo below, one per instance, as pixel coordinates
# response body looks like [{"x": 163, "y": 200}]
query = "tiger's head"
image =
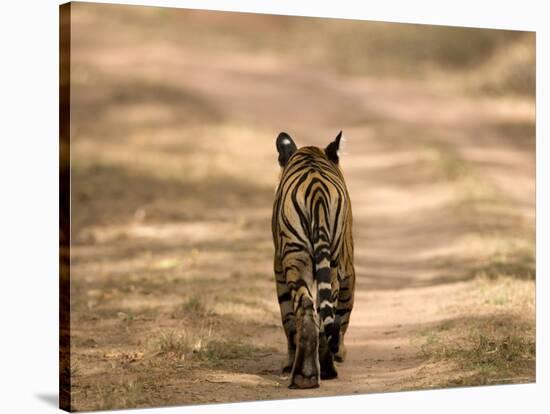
[{"x": 287, "y": 148}]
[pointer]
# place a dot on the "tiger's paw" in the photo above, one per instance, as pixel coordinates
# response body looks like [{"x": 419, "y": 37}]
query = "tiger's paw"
[
  {"x": 305, "y": 372},
  {"x": 300, "y": 381},
  {"x": 326, "y": 361},
  {"x": 328, "y": 373}
]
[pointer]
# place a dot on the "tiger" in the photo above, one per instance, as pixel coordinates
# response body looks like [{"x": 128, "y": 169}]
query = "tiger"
[{"x": 313, "y": 259}]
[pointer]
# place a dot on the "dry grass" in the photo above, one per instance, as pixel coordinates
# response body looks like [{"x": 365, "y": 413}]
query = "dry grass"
[
  {"x": 126, "y": 392},
  {"x": 492, "y": 342},
  {"x": 203, "y": 345},
  {"x": 498, "y": 350},
  {"x": 195, "y": 307},
  {"x": 174, "y": 344},
  {"x": 518, "y": 262}
]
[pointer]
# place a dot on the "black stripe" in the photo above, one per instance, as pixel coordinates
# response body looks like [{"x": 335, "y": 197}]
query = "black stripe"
[
  {"x": 296, "y": 204},
  {"x": 320, "y": 256},
  {"x": 285, "y": 297},
  {"x": 342, "y": 312},
  {"x": 325, "y": 294},
  {"x": 325, "y": 312},
  {"x": 322, "y": 275}
]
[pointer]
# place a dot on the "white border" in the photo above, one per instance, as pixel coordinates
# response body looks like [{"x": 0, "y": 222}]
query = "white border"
[{"x": 29, "y": 201}]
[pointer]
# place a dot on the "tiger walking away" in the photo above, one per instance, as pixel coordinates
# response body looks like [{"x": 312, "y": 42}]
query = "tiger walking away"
[{"x": 313, "y": 261}]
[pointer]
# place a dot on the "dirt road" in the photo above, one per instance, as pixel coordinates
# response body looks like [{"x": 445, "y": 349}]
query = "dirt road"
[{"x": 174, "y": 171}]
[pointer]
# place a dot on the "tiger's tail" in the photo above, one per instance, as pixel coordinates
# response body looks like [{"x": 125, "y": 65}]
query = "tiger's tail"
[{"x": 323, "y": 277}]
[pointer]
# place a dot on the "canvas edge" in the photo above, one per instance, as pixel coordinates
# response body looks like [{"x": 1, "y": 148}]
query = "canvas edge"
[{"x": 64, "y": 206}]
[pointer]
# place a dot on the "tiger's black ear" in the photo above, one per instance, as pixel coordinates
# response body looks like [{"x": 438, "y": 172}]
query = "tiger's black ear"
[
  {"x": 333, "y": 148},
  {"x": 286, "y": 147}
]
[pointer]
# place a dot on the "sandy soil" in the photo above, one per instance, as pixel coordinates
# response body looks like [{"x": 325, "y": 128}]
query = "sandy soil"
[{"x": 174, "y": 171}]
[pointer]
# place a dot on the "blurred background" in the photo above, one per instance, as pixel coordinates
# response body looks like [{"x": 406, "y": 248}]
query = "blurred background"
[{"x": 174, "y": 115}]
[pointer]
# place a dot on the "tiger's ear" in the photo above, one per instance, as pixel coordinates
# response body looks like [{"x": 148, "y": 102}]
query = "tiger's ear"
[
  {"x": 332, "y": 150},
  {"x": 286, "y": 147}
]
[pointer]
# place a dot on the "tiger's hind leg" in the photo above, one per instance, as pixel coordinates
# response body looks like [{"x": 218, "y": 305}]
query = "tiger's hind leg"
[
  {"x": 326, "y": 354},
  {"x": 326, "y": 359},
  {"x": 344, "y": 307},
  {"x": 305, "y": 371},
  {"x": 287, "y": 314}
]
